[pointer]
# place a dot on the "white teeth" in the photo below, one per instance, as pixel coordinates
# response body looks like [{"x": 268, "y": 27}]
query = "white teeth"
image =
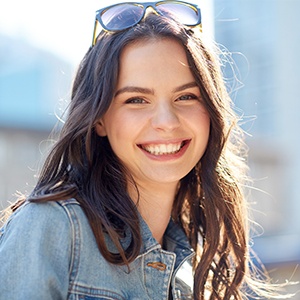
[
  {"x": 169, "y": 148},
  {"x": 163, "y": 148}
]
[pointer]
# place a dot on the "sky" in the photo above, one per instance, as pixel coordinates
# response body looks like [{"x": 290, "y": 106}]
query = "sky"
[{"x": 63, "y": 27}]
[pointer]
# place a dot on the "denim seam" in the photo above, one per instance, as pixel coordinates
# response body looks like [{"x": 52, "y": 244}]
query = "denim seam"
[{"x": 75, "y": 252}]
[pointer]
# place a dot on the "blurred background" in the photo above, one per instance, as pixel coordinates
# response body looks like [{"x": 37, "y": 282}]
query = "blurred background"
[{"x": 41, "y": 44}]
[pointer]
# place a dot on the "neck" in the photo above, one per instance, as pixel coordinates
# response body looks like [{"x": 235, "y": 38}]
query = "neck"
[{"x": 155, "y": 206}]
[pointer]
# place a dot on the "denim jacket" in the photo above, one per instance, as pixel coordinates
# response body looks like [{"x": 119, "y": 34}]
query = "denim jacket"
[{"x": 48, "y": 251}]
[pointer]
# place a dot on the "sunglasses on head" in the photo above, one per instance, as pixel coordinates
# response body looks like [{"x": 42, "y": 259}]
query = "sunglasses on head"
[{"x": 125, "y": 15}]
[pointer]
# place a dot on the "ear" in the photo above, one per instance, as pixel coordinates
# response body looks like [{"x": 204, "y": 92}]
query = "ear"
[{"x": 100, "y": 128}]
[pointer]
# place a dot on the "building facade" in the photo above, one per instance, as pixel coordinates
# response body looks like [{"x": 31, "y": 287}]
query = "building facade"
[
  {"x": 264, "y": 42},
  {"x": 34, "y": 87}
]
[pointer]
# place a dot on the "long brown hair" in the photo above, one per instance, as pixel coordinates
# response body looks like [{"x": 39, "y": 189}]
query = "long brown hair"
[{"x": 209, "y": 204}]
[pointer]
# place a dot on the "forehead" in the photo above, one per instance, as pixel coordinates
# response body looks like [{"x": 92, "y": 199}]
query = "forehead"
[
  {"x": 153, "y": 42},
  {"x": 159, "y": 64}
]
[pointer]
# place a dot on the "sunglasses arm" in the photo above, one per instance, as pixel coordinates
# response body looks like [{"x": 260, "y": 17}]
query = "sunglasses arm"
[{"x": 95, "y": 32}]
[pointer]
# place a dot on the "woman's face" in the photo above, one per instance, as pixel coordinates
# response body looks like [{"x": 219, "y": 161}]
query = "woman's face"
[{"x": 156, "y": 124}]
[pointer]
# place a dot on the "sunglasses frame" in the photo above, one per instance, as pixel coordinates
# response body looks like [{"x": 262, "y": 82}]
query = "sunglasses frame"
[{"x": 145, "y": 5}]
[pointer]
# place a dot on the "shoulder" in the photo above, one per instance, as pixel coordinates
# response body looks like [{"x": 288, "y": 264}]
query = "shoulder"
[
  {"x": 37, "y": 245},
  {"x": 34, "y": 219},
  {"x": 47, "y": 232},
  {"x": 32, "y": 210}
]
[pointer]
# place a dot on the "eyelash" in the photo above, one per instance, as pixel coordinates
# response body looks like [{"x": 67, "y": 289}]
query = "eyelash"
[
  {"x": 189, "y": 96},
  {"x": 136, "y": 100},
  {"x": 139, "y": 100}
]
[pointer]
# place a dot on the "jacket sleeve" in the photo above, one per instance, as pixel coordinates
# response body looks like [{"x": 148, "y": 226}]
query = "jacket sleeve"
[{"x": 35, "y": 253}]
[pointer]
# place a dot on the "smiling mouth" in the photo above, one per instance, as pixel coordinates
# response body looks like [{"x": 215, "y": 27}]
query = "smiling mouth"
[{"x": 163, "y": 149}]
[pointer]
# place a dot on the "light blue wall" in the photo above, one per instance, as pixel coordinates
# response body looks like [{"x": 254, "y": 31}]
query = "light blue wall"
[{"x": 32, "y": 83}]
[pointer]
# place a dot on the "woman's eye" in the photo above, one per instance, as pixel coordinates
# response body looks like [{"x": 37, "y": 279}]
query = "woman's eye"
[
  {"x": 135, "y": 101},
  {"x": 187, "y": 97}
]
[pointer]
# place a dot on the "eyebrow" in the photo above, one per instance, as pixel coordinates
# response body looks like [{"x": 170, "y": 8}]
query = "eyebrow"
[
  {"x": 136, "y": 89},
  {"x": 185, "y": 86}
]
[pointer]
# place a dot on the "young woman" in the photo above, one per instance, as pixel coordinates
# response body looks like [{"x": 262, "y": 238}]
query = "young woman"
[{"x": 141, "y": 197}]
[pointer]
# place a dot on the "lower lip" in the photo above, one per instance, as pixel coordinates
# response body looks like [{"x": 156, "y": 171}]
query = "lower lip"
[{"x": 166, "y": 157}]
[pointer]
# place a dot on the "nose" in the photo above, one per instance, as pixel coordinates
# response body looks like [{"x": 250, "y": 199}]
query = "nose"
[{"x": 165, "y": 118}]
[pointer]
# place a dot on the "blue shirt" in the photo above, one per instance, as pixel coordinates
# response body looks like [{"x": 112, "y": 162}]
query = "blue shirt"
[{"x": 48, "y": 251}]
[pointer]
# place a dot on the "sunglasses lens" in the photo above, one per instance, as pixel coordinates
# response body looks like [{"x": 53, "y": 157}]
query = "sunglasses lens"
[
  {"x": 121, "y": 16},
  {"x": 185, "y": 14}
]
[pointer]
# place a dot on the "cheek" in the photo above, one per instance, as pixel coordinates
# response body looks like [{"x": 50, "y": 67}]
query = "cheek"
[
  {"x": 119, "y": 130},
  {"x": 199, "y": 118},
  {"x": 201, "y": 126},
  {"x": 124, "y": 124},
  {"x": 206, "y": 129}
]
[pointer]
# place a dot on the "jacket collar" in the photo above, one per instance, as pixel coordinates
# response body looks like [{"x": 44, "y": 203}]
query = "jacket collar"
[{"x": 175, "y": 240}]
